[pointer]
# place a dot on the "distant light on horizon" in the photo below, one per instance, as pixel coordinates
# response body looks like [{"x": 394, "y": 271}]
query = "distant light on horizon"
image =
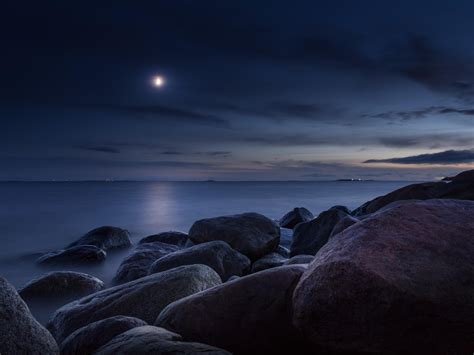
[{"x": 158, "y": 81}]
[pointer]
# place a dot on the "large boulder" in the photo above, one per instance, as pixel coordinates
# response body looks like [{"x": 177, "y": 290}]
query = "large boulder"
[
  {"x": 138, "y": 263},
  {"x": 309, "y": 237},
  {"x": 154, "y": 340},
  {"x": 176, "y": 238},
  {"x": 88, "y": 339},
  {"x": 20, "y": 333},
  {"x": 81, "y": 254},
  {"x": 143, "y": 298},
  {"x": 65, "y": 285},
  {"x": 105, "y": 238},
  {"x": 252, "y": 234},
  {"x": 295, "y": 216},
  {"x": 343, "y": 224},
  {"x": 217, "y": 255},
  {"x": 460, "y": 187},
  {"x": 400, "y": 281},
  {"x": 251, "y": 314},
  {"x": 465, "y": 176},
  {"x": 299, "y": 259},
  {"x": 267, "y": 262}
]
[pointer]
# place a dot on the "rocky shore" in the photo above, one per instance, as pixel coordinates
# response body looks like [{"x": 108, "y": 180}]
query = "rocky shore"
[{"x": 395, "y": 275}]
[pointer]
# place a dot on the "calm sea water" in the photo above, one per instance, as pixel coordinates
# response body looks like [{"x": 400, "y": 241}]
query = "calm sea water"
[{"x": 40, "y": 217}]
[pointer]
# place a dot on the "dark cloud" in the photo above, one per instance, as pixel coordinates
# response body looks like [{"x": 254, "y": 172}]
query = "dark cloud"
[
  {"x": 173, "y": 164},
  {"x": 171, "y": 152},
  {"x": 296, "y": 110},
  {"x": 445, "y": 158},
  {"x": 431, "y": 141},
  {"x": 223, "y": 154},
  {"x": 100, "y": 149},
  {"x": 160, "y": 112},
  {"x": 437, "y": 68},
  {"x": 420, "y": 113}
]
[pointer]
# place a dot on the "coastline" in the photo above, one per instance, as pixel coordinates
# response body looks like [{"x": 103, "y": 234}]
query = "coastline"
[{"x": 237, "y": 262}]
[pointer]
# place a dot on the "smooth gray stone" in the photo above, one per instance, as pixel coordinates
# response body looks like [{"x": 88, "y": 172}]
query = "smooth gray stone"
[
  {"x": 105, "y": 238},
  {"x": 20, "y": 333},
  {"x": 251, "y": 234},
  {"x": 401, "y": 280},
  {"x": 217, "y": 255},
  {"x": 91, "y": 337},
  {"x": 81, "y": 254},
  {"x": 176, "y": 238},
  {"x": 143, "y": 298},
  {"x": 138, "y": 263}
]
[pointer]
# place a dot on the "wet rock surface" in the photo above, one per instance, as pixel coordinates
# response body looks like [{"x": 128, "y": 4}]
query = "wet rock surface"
[
  {"x": 82, "y": 254},
  {"x": 20, "y": 333},
  {"x": 218, "y": 255},
  {"x": 88, "y": 339},
  {"x": 138, "y": 263},
  {"x": 105, "y": 238},
  {"x": 175, "y": 238},
  {"x": 60, "y": 284},
  {"x": 398, "y": 281},
  {"x": 309, "y": 237},
  {"x": 251, "y": 234},
  {"x": 143, "y": 298},
  {"x": 247, "y": 315},
  {"x": 295, "y": 216}
]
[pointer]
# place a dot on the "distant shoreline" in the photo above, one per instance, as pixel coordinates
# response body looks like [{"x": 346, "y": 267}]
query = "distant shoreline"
[{"x": 203, "y": 181}]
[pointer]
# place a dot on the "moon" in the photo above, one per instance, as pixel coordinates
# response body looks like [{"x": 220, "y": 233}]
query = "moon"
[{"x": 158, "y": 81}]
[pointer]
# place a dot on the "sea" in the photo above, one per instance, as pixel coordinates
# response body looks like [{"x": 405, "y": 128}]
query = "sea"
[{"x": 38, "y": 217}]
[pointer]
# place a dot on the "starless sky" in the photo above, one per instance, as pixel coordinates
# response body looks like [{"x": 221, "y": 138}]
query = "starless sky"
[{"x": 255, "y": 90}]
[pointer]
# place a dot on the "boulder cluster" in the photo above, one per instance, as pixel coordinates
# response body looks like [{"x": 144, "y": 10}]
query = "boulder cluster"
[{"x": 395, "y": 275}]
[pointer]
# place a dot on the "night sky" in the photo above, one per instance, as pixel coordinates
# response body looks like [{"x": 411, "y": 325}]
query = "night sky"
[{"x": 254, "y": 90}]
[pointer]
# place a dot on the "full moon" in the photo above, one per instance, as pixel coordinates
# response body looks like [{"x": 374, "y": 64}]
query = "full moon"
[{"x": 158, "y": 81}]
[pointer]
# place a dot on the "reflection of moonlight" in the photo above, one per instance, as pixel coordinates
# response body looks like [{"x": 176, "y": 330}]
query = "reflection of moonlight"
[{"x": 158, "y": 81}]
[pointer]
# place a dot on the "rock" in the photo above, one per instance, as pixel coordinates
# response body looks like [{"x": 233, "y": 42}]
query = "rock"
[
  {"x": 88, "y": 339},
  {"x": 251, "y": 234},
  {"x": 61, "y": 284},
  {"x": 400, "y": 281},
  {"x": 217, "y": 255},
  {"x": 105, "y": 238},
  {"x": 424, "y": 191},
  {"x": 143, "y": 298},
  {"x": 309, "y": 237},
  {"x": 341, "y": 208},
  {"x": 297, "y": 215},
  {"x": 138, "y": 340},
  {"x": 283, "y": 252},
  {"x": 299, "y": 259},
  {"x": 465, "y": 176},
  {"x": 154, "y": 340},
  {"x": 138, "y": 263},
  {"x": 249, "y": 315},
  {"x": 286, "y": 237},
  {"x": 461, "y": 187},
  {"x": 20, "y": 333},
  {"x": 267, "y": 262},
  {"x": 232, "y": 278},
  {"x": 343, "y": 224},
  {"x": 82, "y": 254},
  {"x": 176, "y": 238}
]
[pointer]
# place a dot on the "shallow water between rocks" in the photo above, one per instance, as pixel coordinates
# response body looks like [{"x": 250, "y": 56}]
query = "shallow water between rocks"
[{"x": 36, "y": 217}]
